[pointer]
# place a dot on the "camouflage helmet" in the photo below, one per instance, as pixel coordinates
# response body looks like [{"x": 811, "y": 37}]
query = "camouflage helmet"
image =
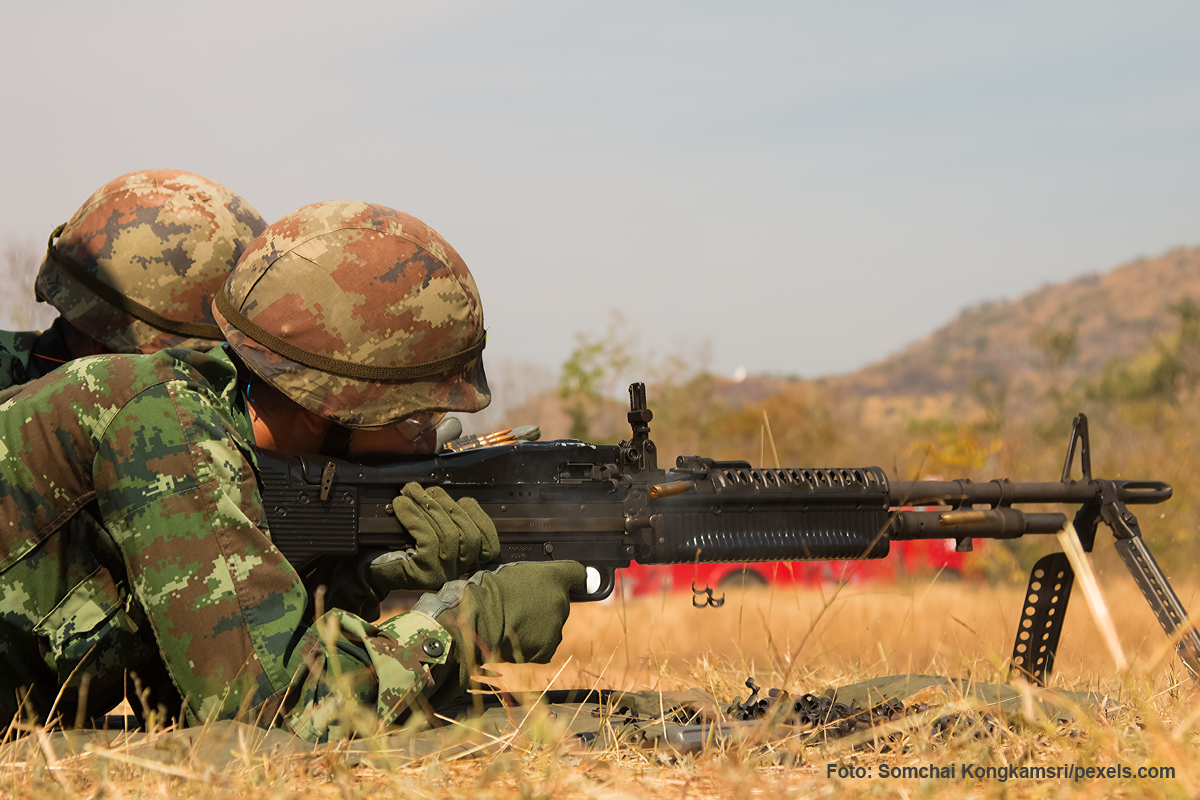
[
  {"x": 138, "y": 265},
  {"x": 361, "y": 314}
]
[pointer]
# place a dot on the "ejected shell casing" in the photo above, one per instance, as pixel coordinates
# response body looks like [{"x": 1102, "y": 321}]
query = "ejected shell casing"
[
  {"x": 661, "y": 490},
  {"x": 952, "y": 519}
]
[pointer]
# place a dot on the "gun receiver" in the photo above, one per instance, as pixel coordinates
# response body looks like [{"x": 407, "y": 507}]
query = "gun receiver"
[{"x": 609, "y": 505}]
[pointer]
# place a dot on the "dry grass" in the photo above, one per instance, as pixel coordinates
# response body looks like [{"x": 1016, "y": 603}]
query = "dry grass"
[
  {"x": 803, "y": 640},
  {"x": 820, "y": 639}
]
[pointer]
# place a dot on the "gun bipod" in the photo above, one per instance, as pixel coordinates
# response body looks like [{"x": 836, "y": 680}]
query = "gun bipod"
[{"x": 1052, "y": 577}]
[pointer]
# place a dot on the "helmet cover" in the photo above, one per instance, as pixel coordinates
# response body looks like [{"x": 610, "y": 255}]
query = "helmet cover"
[
  {"x": 138, "y": 265},
  {"x": 359, "y": 313}
]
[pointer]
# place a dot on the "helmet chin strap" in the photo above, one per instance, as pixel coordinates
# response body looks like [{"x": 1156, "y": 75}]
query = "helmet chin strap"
[{"x": 337, "y": 441}]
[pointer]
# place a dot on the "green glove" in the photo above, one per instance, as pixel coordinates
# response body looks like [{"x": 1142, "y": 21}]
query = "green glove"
[
  {"x": 452, "y": 539},
  {"x": 514, "y": 613}
]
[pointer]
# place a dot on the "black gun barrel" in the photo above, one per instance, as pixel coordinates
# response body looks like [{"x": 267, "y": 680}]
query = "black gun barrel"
[
  {"x": 995, "y": 523},
  {"x": 1004, "y": 492}
]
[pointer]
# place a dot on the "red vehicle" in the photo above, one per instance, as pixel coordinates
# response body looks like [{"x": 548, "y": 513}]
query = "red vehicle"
[{"x": 925, "y": 556}]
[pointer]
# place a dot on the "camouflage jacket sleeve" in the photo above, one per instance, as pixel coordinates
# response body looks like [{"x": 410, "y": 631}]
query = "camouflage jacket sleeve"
[{"x": 176, "y": 492}]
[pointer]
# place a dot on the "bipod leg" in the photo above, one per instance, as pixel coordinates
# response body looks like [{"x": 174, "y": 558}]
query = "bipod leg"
[
  {"x": 1161, "y": 597},
  {"x": 1149, "y": 577},
  {"x": 1042, "y": 616}
]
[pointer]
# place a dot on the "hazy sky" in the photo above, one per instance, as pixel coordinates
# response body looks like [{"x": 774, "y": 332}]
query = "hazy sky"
[{"x": 806, "y": 187}]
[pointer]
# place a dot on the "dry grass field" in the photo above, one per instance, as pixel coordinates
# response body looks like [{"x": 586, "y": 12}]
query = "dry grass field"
[
  {"x": 820, "y": 637},
  {"x": 802, "y": 640}
]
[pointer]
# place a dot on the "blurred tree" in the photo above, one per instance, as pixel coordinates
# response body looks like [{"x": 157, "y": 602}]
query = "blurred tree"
[
  {"x": 19, "y": 310},
  {"x": 1057, "y": 347},
  {"x": 802, "y": 429},
  {"x": 592, "y": 372},
  {"x": 955, "y": 450},
  {"x": 1179, "y": 367},
  {"x": 992, "y": 395},
  {"x": 1169, "y": 373}
]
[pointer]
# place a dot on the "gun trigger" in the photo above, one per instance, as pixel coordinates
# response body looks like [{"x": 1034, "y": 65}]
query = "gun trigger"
[{"x": 327, "y": 479}]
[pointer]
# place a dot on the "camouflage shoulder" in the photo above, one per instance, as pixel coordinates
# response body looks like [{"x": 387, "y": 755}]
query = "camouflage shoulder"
[
  {"x": 97, "y": 386},
  {"x": 16, "y": 348},
  {"x": 165, "y": 365}
]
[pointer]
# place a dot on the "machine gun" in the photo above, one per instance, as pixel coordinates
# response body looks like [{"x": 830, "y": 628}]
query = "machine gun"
[{"x": 609, "y": 505}]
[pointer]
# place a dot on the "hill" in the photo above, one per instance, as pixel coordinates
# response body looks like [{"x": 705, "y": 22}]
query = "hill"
[{"x": 1049, "y": 336}]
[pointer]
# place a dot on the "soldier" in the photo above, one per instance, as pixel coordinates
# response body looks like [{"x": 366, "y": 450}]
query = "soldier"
[
  {"x": 132, "y": 536},
  {"x": 135, "y": 270}
]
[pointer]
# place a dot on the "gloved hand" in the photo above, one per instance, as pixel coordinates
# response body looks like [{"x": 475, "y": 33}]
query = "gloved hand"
[
  {"x": 452, "y": 539},
  {"x": 514, "y": 613}
]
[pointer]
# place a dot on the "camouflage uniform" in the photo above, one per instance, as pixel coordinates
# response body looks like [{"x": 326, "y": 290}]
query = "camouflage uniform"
[
  {"x": 132, "y": 535},
  {"x": 136, "y": 269},
  {"x": 135, "y": 540}
]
